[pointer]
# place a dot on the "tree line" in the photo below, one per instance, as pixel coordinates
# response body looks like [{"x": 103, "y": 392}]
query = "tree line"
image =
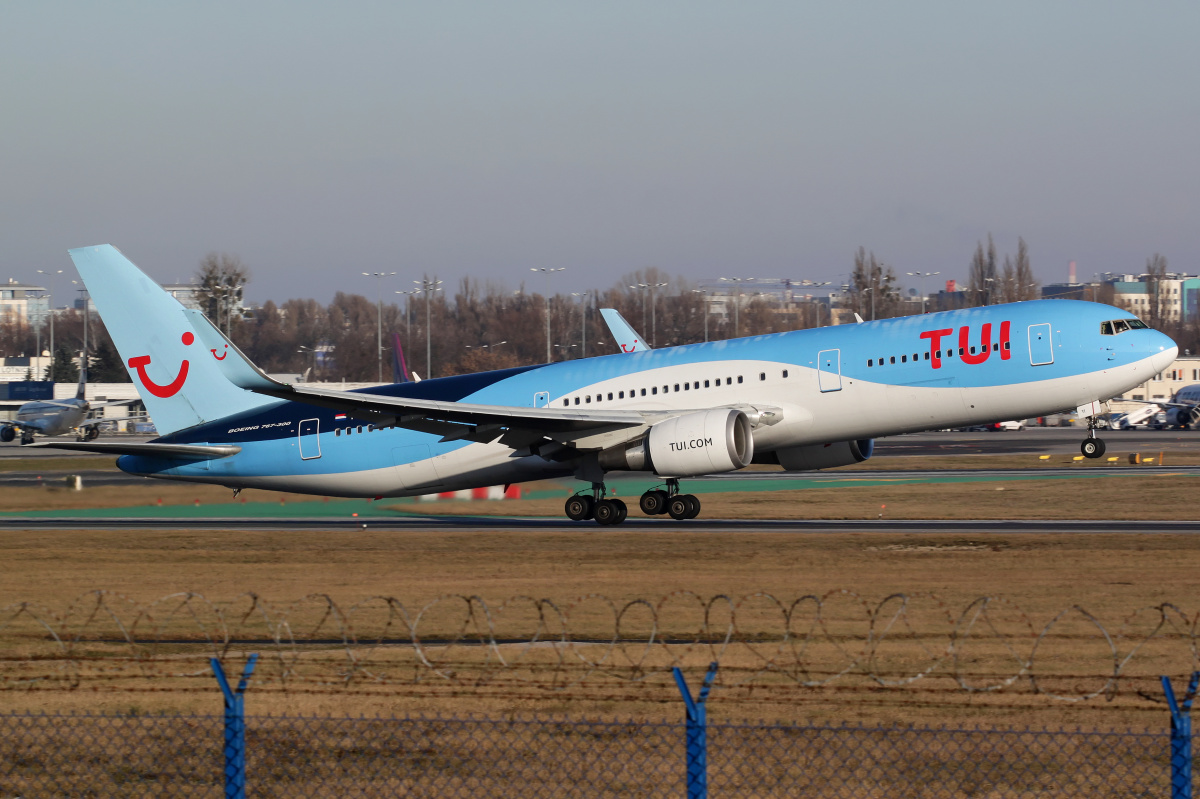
[{"x": 478, "y": 326}]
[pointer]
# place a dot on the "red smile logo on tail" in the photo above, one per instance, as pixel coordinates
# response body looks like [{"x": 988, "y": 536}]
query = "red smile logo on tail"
[{"x": 170, "y": 389}]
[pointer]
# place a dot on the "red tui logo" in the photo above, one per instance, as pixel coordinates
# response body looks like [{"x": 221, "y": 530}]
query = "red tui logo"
[{"x": 170, "y": 389}]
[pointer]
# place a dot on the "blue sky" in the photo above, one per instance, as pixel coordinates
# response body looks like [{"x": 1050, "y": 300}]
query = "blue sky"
[{"x": 319, "y": 141}]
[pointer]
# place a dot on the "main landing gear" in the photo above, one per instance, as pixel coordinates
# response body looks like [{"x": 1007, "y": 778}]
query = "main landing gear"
[
  {"x": 1092, "y": 447},
  {"x": 654, "y": 502},
  {"x": 597, "y": 506}
]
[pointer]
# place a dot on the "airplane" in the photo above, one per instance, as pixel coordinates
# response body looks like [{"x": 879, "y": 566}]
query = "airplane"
[
  {"x": 1182, "y": 410},
  {"x": 56, "y": 417},
  {"x": 808, "y": 399}
]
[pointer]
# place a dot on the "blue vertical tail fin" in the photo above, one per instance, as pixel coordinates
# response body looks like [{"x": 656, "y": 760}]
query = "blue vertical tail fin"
[{"x": 177, "y": 379}]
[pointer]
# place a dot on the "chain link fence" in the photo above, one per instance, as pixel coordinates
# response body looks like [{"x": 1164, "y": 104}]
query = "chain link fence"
[{"x": 181, "y": 756}]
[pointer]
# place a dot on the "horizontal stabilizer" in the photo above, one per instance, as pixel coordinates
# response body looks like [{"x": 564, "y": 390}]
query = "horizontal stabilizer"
[{"x": 200, "y": 452}]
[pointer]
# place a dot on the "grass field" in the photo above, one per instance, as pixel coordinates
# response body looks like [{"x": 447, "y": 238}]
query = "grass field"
[
  {"x": 1110, "y": 580},
  {"x": 1109, "y": 576}
]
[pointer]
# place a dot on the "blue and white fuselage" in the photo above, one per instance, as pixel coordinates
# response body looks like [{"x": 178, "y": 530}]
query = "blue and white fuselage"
[{"x": 803, "y": 399}]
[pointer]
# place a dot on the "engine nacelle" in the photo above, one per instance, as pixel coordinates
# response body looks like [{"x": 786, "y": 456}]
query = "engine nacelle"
[
  {"x": 1179, "y": 416},
  {"x": 719, "y": 440},
  {"x": 822, "y": 456},
  {"x": 7, "y": 433}
]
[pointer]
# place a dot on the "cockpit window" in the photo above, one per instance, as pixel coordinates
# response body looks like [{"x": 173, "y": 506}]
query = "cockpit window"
[{"x": 1120, "y": 326}]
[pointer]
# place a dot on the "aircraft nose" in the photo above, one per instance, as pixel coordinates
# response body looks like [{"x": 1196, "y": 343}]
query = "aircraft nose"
[{"x": 1167, "y": 352}]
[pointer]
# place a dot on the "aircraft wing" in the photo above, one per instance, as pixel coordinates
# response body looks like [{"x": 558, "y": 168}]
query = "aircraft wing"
[
  {"x": 627, "y": 338},
  {"x": 515, "y": 426},
  {"x": 21, "y": 425},
  {"x": 200, "y": 452},
  {"x": 103, "y": 419}
]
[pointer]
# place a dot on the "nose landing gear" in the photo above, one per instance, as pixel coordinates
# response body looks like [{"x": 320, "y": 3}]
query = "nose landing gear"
[{"x": 1092, "y": 447}]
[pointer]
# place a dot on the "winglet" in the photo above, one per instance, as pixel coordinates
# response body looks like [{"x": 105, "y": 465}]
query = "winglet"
[
  {"x": 627, "y": 338},
  {"x": 232, "y": 362}
]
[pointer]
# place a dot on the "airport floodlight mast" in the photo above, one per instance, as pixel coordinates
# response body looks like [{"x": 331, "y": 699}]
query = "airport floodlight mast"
[
  {"x": 547, "y": 272},
  {"x": 379, "y": 318},
  {"x": 428, "y": 287},
  {"x": 922, "y": 276},
  {"x": 50, "y": 304},
  {"x": 704, "y": 297},
  {"x": 408, "y": 310},
  {"x": 649, "y": 288},
  {"x": 582, "y": 295},
  {"x": 737, "y": 298}
]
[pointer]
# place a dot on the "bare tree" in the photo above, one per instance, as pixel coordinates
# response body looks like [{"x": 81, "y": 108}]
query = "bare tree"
[
  {"x": 873, "y": 290},
  {"x": 981, "y": 283},
  {"x": 222, "y": 278},
  {"x": 1156, "y": 273}
]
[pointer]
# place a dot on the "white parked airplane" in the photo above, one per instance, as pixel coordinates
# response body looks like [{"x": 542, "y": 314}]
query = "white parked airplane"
[
  {"x": 809, "y": 399},
  {"x": 58, "y": 417}
]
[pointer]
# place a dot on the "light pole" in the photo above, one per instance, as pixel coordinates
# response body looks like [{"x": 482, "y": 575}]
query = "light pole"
[
  {"x": 87, "y": 301},
  {"x": 547, "y": 272},
  {"x": 313, "y": 370},
  {"x": 815, "y": 285},
  {"x": 486, "y": 346},
  {"x": 408, "y": 311},
  {"x": 428, "y": 286},
  {"x": 922, "y": 276},
  {"x": 704, "y": 298},
  {"x": 379, "y": 318},
  {"x": 871, "y": 290},
  {"x": 582, "y": 295},
  {"x": 50, "y": 306},
  {"x": 737, "y": 299},
  {"x": 649, "y": 287}
]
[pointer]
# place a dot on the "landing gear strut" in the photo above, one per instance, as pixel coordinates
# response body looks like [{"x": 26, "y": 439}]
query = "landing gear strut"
[
  {"x": 1092, "y": 447},
  {"x": 597, "y": 506},
  {"x": 680, "y": 506}
]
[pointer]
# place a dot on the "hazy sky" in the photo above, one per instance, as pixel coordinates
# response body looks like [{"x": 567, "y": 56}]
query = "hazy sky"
[{"x": 319, "y": 141}]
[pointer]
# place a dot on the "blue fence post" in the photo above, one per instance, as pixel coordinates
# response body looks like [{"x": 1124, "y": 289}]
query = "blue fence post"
[
  {"x": 1181, "y": 737},
  {"x": 697, "y": 733},
  {"x": 235, "y": 728}
]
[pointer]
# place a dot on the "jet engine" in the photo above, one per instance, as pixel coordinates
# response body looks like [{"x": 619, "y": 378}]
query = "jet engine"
[
  {"x": 820, "y": 456},
  {"x": 7, "y": 434},
  {"x": 719, "y": 440},
  {"x": 1179, "y": 416}
]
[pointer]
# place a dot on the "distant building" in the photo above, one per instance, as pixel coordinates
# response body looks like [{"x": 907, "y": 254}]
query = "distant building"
[{"x": 21, "y": 303}]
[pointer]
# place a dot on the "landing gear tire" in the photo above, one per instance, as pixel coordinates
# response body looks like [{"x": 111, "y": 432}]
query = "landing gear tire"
[
  {"x": 26, "y": 438},
  {"x": 1092, "y": 448},
  {"x": 580, "y": 507},
  {"x": 610, "y": 511},
  {"x": 92, "y": 433},
  {"x": 654, "y": 503},
  {"x": 683, "y": 506}
]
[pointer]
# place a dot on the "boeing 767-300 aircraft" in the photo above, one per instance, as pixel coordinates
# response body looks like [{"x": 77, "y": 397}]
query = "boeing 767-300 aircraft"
[{"x": 808, "y": 399}]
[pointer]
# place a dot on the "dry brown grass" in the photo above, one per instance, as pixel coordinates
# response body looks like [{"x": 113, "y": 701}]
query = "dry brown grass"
[
  {"x": 1149, "y": 495},
  {"x": 1111, "y": 576}
]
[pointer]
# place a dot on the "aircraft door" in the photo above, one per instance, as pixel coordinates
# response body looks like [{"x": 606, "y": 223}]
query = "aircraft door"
[
  {"x": 829, "y": 370},
  {"x": 541, "y": 399},
  {"x": 1041, "y": 347},
  {"x": 310, "y": 441}
]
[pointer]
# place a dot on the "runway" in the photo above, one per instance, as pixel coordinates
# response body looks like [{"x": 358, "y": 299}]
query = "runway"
[{"x": 499, "y": 524}]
